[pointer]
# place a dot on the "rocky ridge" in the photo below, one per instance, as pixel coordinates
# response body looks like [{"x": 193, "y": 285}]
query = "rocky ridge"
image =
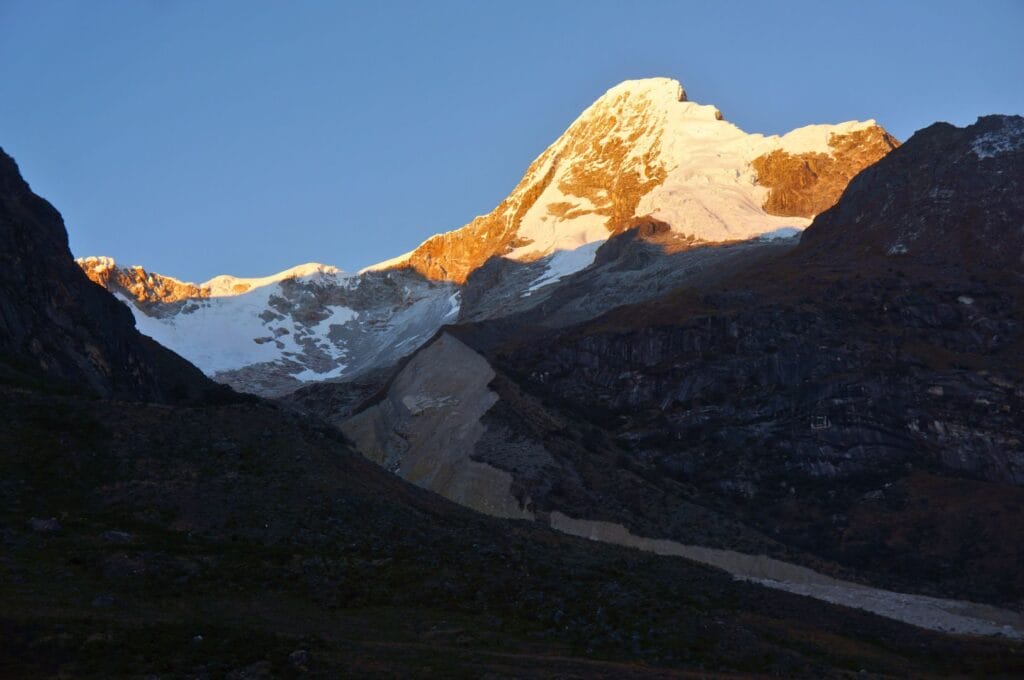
[
  {"x": 153, "y": 292},
  {"x": 273, "y": 334},
  {"x": 56, "y": 326}
]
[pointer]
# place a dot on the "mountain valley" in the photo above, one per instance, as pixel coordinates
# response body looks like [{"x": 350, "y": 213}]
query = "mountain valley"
[{"x": 690, "y": 402}]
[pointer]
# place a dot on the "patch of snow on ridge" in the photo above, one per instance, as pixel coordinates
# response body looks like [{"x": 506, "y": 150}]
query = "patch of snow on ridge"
[
  {"x": 392, "y": 263},
  {"x": 1011, "y": 138},
  {"x": 562, "y": 263},
  {"x": 227, "y": 285},
  {"x": 309, "y": 375},
  {"x": 815, "y": 138},
  {"x": 780, "y": 233}
]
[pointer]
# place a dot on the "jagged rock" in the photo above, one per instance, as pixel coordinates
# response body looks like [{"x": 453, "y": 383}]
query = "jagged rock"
[
  {"x": 136, "y": 283},
  {"x": 809, "y": 183}
]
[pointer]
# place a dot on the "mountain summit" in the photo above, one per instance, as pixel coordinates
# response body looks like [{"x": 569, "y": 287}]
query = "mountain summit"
[
  {"x": 641, "y": 156},
  {"x": 643, "y": 149}
]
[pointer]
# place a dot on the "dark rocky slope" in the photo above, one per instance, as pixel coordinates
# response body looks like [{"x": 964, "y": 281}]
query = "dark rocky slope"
[
  {"x": 235, "y": 540},
  {"x": 220, "y": 541},
  {"x": 853, "y": 405},
  {"x": 642, "y": 263},
  {"x": 57, "y": 326},
  {"x": 855, "y": 400},
  {"x": 952, "y": 202}
]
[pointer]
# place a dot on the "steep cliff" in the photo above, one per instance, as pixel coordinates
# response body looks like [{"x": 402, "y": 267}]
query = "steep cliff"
[{"x": 57, "y": 325}]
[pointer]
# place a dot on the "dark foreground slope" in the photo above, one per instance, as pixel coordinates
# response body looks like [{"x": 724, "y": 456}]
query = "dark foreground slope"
[
  {"x": 199, "y": 542},
  {"x": 58, "y": 327},
  {"x": 230, "y": 539}
]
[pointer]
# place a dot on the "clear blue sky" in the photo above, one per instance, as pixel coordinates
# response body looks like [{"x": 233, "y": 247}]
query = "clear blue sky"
[{"x": 205, "y": 137}]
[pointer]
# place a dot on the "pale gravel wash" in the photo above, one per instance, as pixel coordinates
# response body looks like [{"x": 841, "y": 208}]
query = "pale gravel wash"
[{"x": 939, "y": 614}]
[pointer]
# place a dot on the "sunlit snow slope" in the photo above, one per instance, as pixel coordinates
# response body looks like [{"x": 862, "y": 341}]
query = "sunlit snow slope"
[
  {"x": 641, "y": 151},
  {"x": 271, "y": 334}
]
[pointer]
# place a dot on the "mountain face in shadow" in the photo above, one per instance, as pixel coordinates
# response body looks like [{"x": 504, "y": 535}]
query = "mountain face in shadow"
[
  {"x": 57, "y": 326},
  {"x": 229, "y": 538},
  {"x": 852, "y": 405},
  {"x": 952, "y": 200}
]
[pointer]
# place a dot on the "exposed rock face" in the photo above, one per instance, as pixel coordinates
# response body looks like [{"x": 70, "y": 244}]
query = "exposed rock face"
[
  {"x": 426, "y": 428},
  {"x": 808, "y": 417},
  {"x": 54, "y": 322},
  {"x": 643, "y": 149},
  {"x": 809, "y": 183},
  {"x": 150, "y": 290},
  {"x": 851, "y": 410},
  {"x": 955, "y": 197}
]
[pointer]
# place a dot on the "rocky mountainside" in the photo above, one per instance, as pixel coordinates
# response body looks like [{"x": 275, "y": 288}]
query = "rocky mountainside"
[
  {"x": 641, "y": 157},
  {"x": 958, "y": 214},
  {"x": 845, "y": 405},
  {"x": 644, "y": 150},
  {"x": 239, "y": 541},
  {"x": 56, "y": 326},
  {"x": 229, "y": 538},
  {"x": 271, "y": 335}
]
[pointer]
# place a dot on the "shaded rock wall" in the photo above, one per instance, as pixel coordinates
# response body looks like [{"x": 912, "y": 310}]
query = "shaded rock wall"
[{"x": 56, "y": 324}]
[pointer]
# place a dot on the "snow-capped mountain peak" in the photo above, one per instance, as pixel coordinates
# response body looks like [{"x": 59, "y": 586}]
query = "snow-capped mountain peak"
[
  {"x": 642, "y": 153},
  {"x": 644, "y": 150}
]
